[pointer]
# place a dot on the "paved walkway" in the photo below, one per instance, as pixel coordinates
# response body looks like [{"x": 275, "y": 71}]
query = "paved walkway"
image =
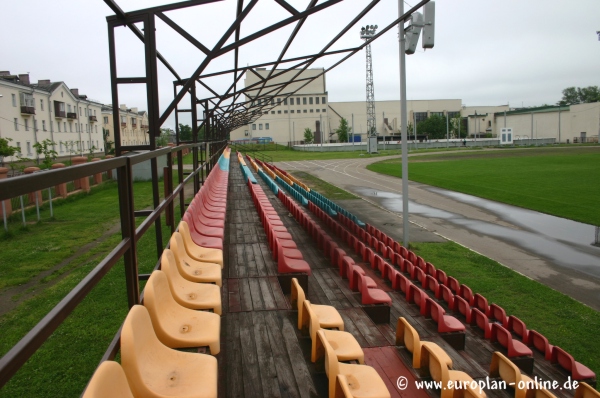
[{"x": 573, "y": 270}]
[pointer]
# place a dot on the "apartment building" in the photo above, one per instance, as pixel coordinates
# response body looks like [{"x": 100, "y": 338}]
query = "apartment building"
[
  {"x": 133, "y": 126},
  {"x": 33, "y": 112}
]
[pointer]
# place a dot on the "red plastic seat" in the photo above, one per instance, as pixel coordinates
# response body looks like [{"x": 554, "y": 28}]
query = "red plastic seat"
[
  {"x": 346, "y": 261},
  {"x": 378, "y": 263},
  {"x": 440, "y": 276},
  {"x": 430, "y": 269},
  {"x": 352, "y": 271},
  {"x": 446, "y": 323},
  {"x": 515, "y": 347},
  {"x": 412, "y": 257},
  {"x": 481, "y": 303},
  {"x": 419, "y": 297},
  {"x": 200, "y": 239},
  {"x": 453, "y": 284},
  {"x": 420, "y": 263},
  {"x": 336, "y": 256},
  {"x": 388, "y": 271},
  {"x": 372, "y": 296},
  {"x": 540, "y": 343},
  {"x": 432, "y": 285},
  {"x": 287, "y": 265},
  {"x": 446, "y": 295},
  {"x": 497, "y": 313},
  {"x": 466, "y": 293},
  {"x": 565, "y": 360},
  {"x": 462, "y": 307},
  {"x": 418, "y": 276},
  {"x": 481, "y": 320},
  {"x": 517, "y": 326},
  {"x": 400, "y": 262}
]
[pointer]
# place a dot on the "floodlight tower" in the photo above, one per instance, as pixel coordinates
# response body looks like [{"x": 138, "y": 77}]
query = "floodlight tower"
[{"x": 367, "y": 33}]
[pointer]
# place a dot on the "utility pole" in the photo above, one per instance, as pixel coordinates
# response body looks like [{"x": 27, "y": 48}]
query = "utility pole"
[{"x": 367, "y": 34}]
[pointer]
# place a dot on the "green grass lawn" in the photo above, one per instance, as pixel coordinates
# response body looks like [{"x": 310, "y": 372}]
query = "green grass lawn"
[
  {"x": 564, "y": 321},
  {"x": 558, "y": 181},
  {"x": 64, "y": 364}
]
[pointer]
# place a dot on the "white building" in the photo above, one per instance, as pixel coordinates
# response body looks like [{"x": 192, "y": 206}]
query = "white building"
[
  {"x": 133, "y": 125},
  {"x": 34, "y": 112}
]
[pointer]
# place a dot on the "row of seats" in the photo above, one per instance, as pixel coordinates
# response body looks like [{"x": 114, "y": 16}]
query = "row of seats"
[
  {"x": 248, "y": 176},
  {"x": 491, "y": 318},
  {"x": 337, "y": 347},
  {"x": 175, "y": 313}
]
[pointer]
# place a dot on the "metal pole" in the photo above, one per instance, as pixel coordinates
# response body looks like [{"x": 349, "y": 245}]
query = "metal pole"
[
  {"x": 559, "y": 124},
  {"x": 403, "y": 116},
  {"x": 293, "y": 132},
  {"x": 50, "y": 201},
  {"x": 353, "y": 129},
  {"x": 531, "y": 124},
  {"x": 447, "y": 132},
  {"x": 504, "y": 119},
  {"x": 321, "y": 128},
  {"x": 22, "y": 210},
  {"x": 4, "y": 216},
  {"x": 37, "y": 206},
  {"x": 384, "y": 132}
]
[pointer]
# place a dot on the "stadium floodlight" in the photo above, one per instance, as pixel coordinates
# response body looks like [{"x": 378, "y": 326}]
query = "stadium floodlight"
[
  {"x": 413, "y": 32},
  {"x": 429, "y": 26}
]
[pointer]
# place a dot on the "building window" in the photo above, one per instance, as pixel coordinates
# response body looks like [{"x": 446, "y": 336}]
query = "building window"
[
  {"x": 19, "y": 147},
  {"x": 279, "y": 112},
  {"x": 65, "y": 127},
  {"x": 420, "y": 116},
  {"x": 96, "y": 128},
  {"x": 310, "y": 100},
  {"x": 87, "y": 128},
  {"x": 29, "y": 148},
  {"x": 85, "y": 111},
  {"x": 285, "y": 101},
  {"x": 297, "y": 100},
  {"x": 298, "y": 111},
  {"x": 35, "y": 125},
  {"x": 292, "y": 111},
  {"x": 58, "y": 124},
  {"x": 94, "y": 112},
  {"x": 60, "y": 146},
  {"x": 266, "y": 113},
  {"x": 311, "y": 111},
  {"x": 70, "y": 127},
  {"x": 304, "y": 100},
  {"x": 305, "y": 111},
  {"x": 317, "y": 100},
  {"x": 453, "y": 114},
  {"x": 79, "y": 111},
  {"x": 260, "y": 126},
  {"x": 26, "y": 125},
  {"x": 14, "y": 100},
  {"x": 254, "y": 127},
  {"x": 272, "y": 101},
  {"x": 318, "y": 110},
  {"x": 16, "y": 125},
  {"x": 278, "y": 101},
  {"x": 69, "y": 108},
  {"x": 323, "y": 100},
  {"x": 323, "y": 110},
  {"x": 44, "y": 125},
  {"x": 105, "y": 119},
  {"x": 266, "y": 126},
  {"x": 42, "y": 104},
  {"x": 284, "y": 111},
  {"x": 441, "y": 114},
  {"x": 272, "y": 112}
]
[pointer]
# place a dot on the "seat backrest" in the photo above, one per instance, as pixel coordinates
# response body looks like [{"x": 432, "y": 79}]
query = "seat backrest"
[
  {"x": 408, "y": 337},
  {"x": 466, "y": 293},
  {"x": 430, "y": 269},
  {"x": 297, "y": 295},
  {"x": 584, "y": 390},
  {"x": 538, "y": 340},
  {"x": 518, "y": 326},
  {"x": 453, "y": 284},
  {"x": 159, "y": 301},
  {"x": 441, "y": 276},
  {"x": 436, "y": 310},
  {"x": 501, "y": 335},
  {"x": 481, "y": 303},
  {"x": 432, "y": 283},
  {"x": 109, "y": 380},
  {"x": 420, "y": 263},
  {"x": 564, "y": 359},
  {"x": 438, "y": 369},
  {"x": 447, "y": 295},
  {"x": 331, "y": 363},
  {"x": 461, "y": 305},
  {"x": 168, "y": 264},
  {"x": 504, "y": 368},
  {"x": 497, "y": 313},
  {"x": 480, "y": 319}
]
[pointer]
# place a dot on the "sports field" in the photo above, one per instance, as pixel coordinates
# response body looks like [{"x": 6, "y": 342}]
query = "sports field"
[{"x": 559, "y": 181}]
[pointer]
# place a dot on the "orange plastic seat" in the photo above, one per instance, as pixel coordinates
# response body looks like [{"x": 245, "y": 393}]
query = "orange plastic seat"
[
  {"x": 440, "y": 373},
  {"x": 196, "y": 296},
  {"x": 155, "y": 370},
  {"x": 408, "y": 337},
  {"x": 344, "y": 344},
  {"x": 584, "y": 390},
  {"x": 359, "y": 380},
  {"x": 109, "y": 380},
  {"x": 204, "y": 254},
  {"x": 504, "y": 368},
  {"x": 329, "y": 317},
  {"x": 175, "y": 325},
  {"x": 190, "y": 269}
]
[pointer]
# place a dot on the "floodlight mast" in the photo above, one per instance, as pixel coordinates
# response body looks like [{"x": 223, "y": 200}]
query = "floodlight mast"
[{"x": 367, "y": 33}]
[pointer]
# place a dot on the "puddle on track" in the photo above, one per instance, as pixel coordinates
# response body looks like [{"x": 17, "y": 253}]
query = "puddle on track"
[{"x": 562, "y": 242}]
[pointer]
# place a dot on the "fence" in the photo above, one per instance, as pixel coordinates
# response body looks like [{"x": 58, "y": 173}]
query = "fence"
[{"x": 126, "y": 249}]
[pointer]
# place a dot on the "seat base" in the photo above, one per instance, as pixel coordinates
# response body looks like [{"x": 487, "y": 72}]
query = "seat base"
[
  {"x": 524, "y": 363},
  {"x": 379, "y": 313},
  {"x": 285, "y": 281},
  {"x": 455, "y": 339}
]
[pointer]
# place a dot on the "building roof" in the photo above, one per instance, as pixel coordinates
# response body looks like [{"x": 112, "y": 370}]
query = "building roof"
[{"x": 539, "y": 109}]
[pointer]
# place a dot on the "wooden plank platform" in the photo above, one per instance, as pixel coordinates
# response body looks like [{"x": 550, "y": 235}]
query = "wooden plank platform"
[{"x": 263, "y": 354}]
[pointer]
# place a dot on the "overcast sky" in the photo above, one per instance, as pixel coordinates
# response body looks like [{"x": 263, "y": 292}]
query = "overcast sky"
[{"x": 486, "y": 52}]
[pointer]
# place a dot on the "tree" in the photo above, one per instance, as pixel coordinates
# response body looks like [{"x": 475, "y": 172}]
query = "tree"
[
  {"x": 579, "y": 95},
  {"x": 6, "y": 149},
  {"x": 163, "y": 139},
  {"x": 46, "y": 148},
  {"x": 185, "y": 132},
  {"x": 308, "y": 136},
  {"x": 456, "y": 129},
  {"x": 343, "y": 130},
  {"x": 434, "y": 126}
]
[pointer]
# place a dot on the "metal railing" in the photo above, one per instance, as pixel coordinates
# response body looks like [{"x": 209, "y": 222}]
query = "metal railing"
[
  {"x": 126, "y": 249},
  {"x": 254, "y": 149}
]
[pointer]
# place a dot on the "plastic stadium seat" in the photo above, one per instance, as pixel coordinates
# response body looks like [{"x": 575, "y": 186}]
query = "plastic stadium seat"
[
  {"x": 370, "y": 295},
  {"x": 517, "y": 326},
  {"x": 542, "y": 393},
  {"x": 481, "y": 320},
  {"x": 432, "y": 285},
  {"x": 466, "y": 293},
  {"x": 419, "y": 277},
  {"x": 420, "y": 263},
  {"x": 177, "y": 326},
  {"x": 408, "y": 337},
  {"x": 329, "y": 317},
  {"x": 346, "y": 346},
  {"x": 446, "y": 323},
  {"x": 438, "y": 369},
  {"x": 109, "y": 380},
  {"x": 498, "y": 314},
  {"x": 462, "y": 307},
  {"x": 417, "y": 296},
  {"x": 404, "y": 285},
  {"x": 337, "y": 254},
  {"x": 203, "y": 239},
  {"x": 515, "y": 347},
  {"x": 205, "y": 254},
  {"x": 155, "y": 370},
  {"x": 453, "y": 284},
  {"x": 577, "y": 370},
  {"x": 388, "y": 271},
  {"x": 447, "y": 296},
  {"x": 540, "y": 343},
  {"x": 286, "y": 265},
  {"x": 196, "y": 296},
  {"x": 190, "y": 269},
  {"x": 584, "y": 390},
  {"x": 441, "y": 276},
  {"x": 505, "y": 369},
  {"x": 430, "y": 269},
  {"x": 378, "y": 263},
  {"x": 360, "y": 380},
  {"x": 352, "y": 272},
  {"x": 481, "y": 303}
]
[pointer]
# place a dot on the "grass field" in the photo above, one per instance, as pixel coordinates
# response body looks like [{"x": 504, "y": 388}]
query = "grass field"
[
  {"x": 63, "y": 365},
  {"x": 323, "y": 187},
  {"x": 558, "y": 181}
]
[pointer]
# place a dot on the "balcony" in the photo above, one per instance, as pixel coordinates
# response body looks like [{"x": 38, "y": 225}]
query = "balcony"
[
  {"x": 27, "y": 110},
  {"x": 123, "y": 125},
  {"x": 60, "y": 114},
  {"x": 134, "y": 125},
  {"x": 71, "y": 115},
  {"x": 144, "y": 126},
  {"x": 93, "y": 119}
]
